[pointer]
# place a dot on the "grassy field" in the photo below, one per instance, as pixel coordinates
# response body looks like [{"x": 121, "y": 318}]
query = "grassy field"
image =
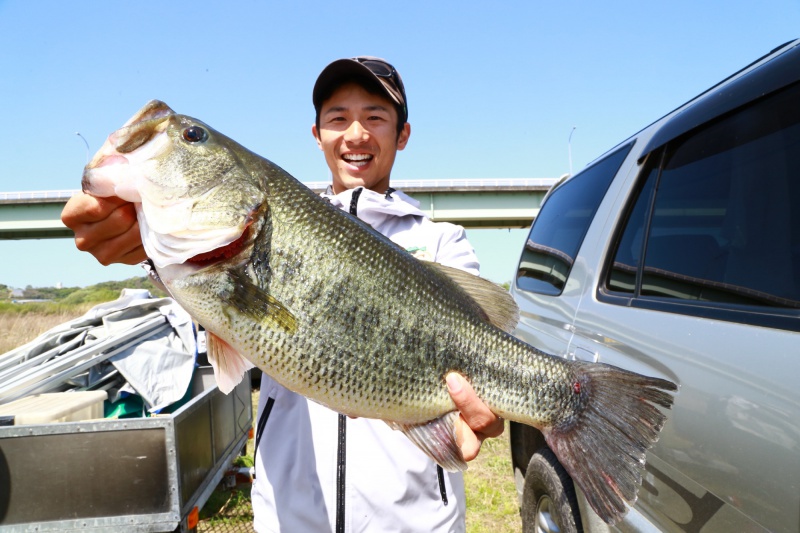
[
  {"x": 18, "y": 328},
  {"x": 492, "y": 505},
  {"x": 491, "y": 496}
]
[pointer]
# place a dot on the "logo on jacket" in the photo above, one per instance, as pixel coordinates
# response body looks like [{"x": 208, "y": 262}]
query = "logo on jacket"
[{"x": 420, "y": 252}]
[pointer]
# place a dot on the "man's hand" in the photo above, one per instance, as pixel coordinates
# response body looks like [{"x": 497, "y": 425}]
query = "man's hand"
[
  {"x": 106, "y": 228},
  {"x": 476, "y": 422}
]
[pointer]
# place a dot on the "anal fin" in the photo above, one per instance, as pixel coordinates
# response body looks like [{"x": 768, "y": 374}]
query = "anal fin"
[
  {"x": 437, "y": 439},
  {"x": 229, "y": 366}
]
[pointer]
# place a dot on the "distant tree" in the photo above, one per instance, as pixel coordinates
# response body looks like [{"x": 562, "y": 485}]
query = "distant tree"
[
  {"x": 142, "y": 282},
  {"x": 70, "y": 296},
  {"x": 32, "y": 294}
]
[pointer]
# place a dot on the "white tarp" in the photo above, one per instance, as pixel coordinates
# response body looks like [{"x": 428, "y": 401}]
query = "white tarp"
[{"x": 159, "y": 367}]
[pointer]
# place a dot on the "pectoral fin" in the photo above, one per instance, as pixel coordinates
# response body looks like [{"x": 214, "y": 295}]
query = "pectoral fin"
[
  {"x": 253, "y": 301},
  {"x": 437, "y": 438},
  {"x": 229, "y": 366}
]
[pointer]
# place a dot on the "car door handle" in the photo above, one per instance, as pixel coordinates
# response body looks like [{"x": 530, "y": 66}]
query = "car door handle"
[{"x": 580, "y": 353}]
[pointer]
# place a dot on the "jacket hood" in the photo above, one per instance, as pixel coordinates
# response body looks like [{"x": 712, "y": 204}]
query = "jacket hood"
[{"x": 375, "y": 208}]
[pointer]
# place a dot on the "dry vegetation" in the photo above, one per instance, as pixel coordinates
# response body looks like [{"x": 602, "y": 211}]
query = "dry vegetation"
[
  {"x": 47, "y": 307},
  {"x": 17, "y": 329}
]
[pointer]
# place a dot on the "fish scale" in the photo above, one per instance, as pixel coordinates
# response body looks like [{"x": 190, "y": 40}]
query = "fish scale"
[
  {"x": 406, "y": 394},
  {"x": 335, "y": 311},
  {"x": 359, "y": 327}
]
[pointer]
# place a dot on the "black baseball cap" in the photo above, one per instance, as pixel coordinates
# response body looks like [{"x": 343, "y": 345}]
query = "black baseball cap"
[{"x": 373, "y": 69}]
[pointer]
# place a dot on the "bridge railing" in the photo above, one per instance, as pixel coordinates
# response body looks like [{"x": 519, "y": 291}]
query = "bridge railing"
[
  {"x": 66, "y": 194},
  {"x": 456, "y": 183},
  {"x": 38, "y": 195}
]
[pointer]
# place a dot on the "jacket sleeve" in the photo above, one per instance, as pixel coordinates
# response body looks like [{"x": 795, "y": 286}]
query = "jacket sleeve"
[{"x": 454, "y": 250}]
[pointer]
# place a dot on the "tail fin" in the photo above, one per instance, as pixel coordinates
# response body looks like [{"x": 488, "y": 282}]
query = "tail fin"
[{"x": 603, "y": 447}]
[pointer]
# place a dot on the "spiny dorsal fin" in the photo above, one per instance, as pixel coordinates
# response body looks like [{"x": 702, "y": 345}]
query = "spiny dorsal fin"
[{"x": 500, "y": 308}]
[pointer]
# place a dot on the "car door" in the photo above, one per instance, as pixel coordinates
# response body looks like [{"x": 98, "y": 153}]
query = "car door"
[{"x": 698, "y": 281}]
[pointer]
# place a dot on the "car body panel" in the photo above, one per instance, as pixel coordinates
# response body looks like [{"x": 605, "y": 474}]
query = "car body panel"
[{"x": 729, "y": 454}]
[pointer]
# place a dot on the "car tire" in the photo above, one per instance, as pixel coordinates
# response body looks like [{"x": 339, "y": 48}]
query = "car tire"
[{"x": 549, "y": 504}]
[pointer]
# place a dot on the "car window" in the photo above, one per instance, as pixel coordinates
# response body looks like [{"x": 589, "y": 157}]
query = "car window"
[
  {"x": 558, "y": 231},
  {"x": 723, "y": 225}
]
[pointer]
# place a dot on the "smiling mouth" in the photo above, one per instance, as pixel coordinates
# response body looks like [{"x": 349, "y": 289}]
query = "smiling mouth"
[{"x": 357, "y": 160}]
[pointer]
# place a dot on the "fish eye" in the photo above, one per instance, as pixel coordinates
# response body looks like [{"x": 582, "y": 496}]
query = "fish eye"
[{"x": 195, "y": 134}]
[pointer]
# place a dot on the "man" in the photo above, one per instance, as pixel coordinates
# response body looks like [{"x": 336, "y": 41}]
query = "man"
[{"x": 317, "y": 470}]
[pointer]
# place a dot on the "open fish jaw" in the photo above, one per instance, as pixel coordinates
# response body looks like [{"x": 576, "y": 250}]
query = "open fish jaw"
[{"x": 121, "y": 166}]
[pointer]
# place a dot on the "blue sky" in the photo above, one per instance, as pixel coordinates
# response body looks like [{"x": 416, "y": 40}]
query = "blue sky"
[{"x": 494, "y": 88}]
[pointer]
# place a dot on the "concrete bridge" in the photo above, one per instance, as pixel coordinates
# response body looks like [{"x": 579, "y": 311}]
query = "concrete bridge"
[{"x": 472, "y": 203}]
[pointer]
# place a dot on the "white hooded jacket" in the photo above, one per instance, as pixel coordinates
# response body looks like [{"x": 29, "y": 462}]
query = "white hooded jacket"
[{"x": 388, "y": 483}]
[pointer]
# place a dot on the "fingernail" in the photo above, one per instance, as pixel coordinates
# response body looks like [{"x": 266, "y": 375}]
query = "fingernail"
[{"x": 453, "y": 383}]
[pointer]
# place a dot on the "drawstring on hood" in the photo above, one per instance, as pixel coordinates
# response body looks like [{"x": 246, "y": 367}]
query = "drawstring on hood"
[{"x": 374, "y": 208}]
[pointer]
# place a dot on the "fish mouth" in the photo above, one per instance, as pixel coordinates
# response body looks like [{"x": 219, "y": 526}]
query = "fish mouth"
[
  {"x": 118, "y": 165},
  {"x": 222, "y": 253}
]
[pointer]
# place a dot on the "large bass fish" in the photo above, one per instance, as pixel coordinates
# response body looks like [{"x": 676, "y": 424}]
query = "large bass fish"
[{"x": 335, "y": 311}]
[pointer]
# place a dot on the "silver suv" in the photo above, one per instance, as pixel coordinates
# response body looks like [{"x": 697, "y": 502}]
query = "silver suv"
[{"x": 677, "y": 254}]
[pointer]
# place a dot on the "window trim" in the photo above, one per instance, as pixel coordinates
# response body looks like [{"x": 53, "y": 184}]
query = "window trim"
[
  {"x": 763, "y": 316},
  {"x": 627, "y": 149},
  {"x": 768, "y": 317},
  {"x": 772, "y": 76}
]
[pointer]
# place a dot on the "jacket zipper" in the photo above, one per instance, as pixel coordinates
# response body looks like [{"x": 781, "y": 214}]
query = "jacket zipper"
[
  {"x": 262, "y": 423},
  {"x": 341, "y": 456},
  {"x": 341, "y": 452},
  {"x": 442, "y": 487}
]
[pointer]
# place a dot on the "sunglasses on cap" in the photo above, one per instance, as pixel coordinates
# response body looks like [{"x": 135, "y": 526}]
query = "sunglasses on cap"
[
  {"x": 378, "y": 67},
  {"x": 393, "y": 83}
]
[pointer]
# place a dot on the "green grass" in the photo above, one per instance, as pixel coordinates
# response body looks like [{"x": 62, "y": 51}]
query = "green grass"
[
  {"x": 227, "y": 507},
  {"x": 492, "y": 505}
]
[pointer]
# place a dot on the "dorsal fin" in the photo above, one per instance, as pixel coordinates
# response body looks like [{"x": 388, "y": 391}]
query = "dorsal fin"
[{"x": 500, "y": 308}]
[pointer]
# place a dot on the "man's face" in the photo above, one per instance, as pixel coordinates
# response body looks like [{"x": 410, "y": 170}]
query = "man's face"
[{"x": 358, "y": 135}]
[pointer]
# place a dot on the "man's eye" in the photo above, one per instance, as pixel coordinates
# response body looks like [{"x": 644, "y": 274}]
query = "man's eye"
[{"x": 195, "y": 134}]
